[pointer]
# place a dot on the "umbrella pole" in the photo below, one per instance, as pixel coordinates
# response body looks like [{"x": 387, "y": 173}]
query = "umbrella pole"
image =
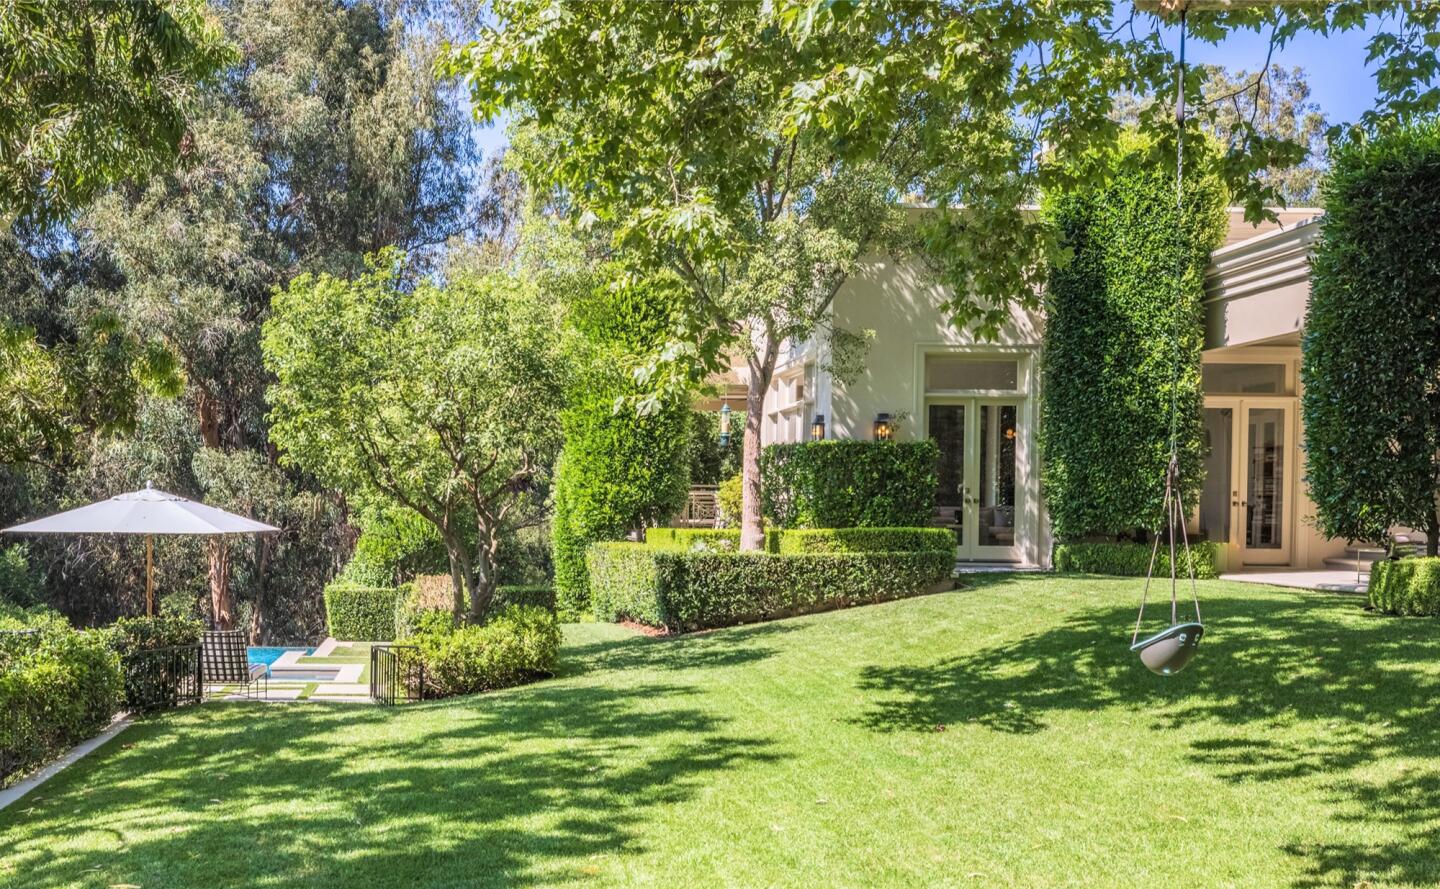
[{"x": 149, "y": 576}]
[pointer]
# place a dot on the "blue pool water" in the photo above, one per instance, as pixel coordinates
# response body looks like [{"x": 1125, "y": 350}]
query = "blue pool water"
[{"x": 268, "y": 656}]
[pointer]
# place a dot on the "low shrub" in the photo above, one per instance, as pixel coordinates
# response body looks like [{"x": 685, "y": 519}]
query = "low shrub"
[
  {"x": 519, "y": 644},
  {"x": 867, "y": 540},
  {"x": 361, "y": 613},
  {"x": 685, "y": 591},
  {"x": 149, "y": 633},
  {"x": 1132, "y": 559},
  {"x": 849, "y": 484},
  {"x": 58, "y": 686},
  {"x": 431, "y": 593},
  {"x": 32, "y": 617},
  {"x": 1406, "y": 586}
]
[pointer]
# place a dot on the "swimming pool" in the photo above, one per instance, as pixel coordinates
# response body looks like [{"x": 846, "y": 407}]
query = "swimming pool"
[{"x": 266, "y": 656}]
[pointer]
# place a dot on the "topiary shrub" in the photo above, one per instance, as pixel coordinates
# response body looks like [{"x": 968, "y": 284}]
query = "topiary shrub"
[
  {"x": 848, "y": 484},
  {"x": 1126, "y": 559},
  {"x": 1109, "y": 362},
  {"x": 1371, "y": 346},
  {"x": 863, "y": 540},
  {"x": 685, "y": 591},
  {"x": 360, "y": 613},
  {"x": 1406, "y": 586},
  {"x": 517, "y": 644},
  {"x": 58, "y": 686},
  {"x": 620, "y": 469}
]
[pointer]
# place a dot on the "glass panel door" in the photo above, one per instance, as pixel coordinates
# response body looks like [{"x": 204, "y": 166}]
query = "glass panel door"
[
  {"x": 1264, "y": 513},
  {"x": 993, "y": 491},
  {"x": 1219, "y": 496},
  {"x": 946, "y": 424}
]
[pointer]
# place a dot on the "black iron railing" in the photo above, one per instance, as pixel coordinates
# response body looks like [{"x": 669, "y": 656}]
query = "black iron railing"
[
  {"x": 162, "y": 678},
  {"x": 396, "y": 674}
]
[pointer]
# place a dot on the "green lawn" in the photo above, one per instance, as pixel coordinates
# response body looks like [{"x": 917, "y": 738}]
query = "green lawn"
[{"x": 999, "y": 735}]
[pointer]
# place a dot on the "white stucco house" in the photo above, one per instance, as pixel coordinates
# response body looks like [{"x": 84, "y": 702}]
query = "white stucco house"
[{"x": 979, "y": 401}]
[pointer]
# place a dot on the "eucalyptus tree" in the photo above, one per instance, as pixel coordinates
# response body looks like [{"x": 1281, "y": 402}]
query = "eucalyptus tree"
[{"x": 758, "y": 149}]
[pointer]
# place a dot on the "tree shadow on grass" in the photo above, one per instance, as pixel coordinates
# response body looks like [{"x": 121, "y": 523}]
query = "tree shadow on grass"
[
  {"x": 494, "y": 790},
  {"x": 1266, "y": 661},
  {"x": 706, "y": 650}
]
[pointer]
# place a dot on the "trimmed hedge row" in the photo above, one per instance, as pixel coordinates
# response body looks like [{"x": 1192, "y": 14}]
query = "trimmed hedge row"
[
  {"x": 848, "y": 484},
  {"x": 868, "y": 540},
  {"x": 361, "y": 613},
  {"x": 810, "y": 540},
  {"x": 1406, "y": 586},
  {"x": 58, "y": 686},
  {"x": 684, "y": 591},
  {"x": 1132, "y": 559}
]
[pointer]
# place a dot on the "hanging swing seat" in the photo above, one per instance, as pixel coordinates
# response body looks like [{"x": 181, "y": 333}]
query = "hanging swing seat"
[{"x": 1168, "y": 651}]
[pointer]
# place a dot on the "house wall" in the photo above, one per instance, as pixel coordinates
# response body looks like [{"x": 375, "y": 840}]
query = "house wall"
[{"x": 1256, "y": 292}]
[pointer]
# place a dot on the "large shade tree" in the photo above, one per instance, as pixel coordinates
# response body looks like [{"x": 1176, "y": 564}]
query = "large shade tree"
[
  {"x": 757, "y": 149},
  {"x": 442, "y": 398},
  {"x": 1371, "y": 349}
]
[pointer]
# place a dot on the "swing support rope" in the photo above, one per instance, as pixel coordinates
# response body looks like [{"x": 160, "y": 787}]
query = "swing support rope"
[{"x": 1173, "y": 506}]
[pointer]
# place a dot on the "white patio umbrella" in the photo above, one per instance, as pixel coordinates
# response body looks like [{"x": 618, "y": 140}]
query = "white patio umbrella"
[{"x": 147, "y": 512}]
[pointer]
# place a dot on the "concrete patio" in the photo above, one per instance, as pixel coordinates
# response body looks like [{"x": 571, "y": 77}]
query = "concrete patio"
[{"x": 1331, "y": 580}]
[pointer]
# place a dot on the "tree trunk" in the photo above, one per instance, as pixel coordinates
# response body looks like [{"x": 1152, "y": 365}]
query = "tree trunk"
[
  {"x": 220, "y": 607},
  {"x": 259, "y": 612},
  {"x": 752, "y": 527},
  {"x": 482, "y": 578},
  {"x": 1432, "y": 533}
]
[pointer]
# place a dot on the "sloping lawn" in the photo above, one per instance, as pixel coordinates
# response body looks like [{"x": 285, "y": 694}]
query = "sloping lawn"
[{"x": 999, "y": 735}]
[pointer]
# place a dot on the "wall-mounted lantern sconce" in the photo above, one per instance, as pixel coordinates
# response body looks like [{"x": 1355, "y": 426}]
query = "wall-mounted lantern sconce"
[
  {"x": 817, "y": 429},
  {"x": 724, "y": 425},
  {"x": 1010, "y": 433},
  {"x": 883, "y": 429}
]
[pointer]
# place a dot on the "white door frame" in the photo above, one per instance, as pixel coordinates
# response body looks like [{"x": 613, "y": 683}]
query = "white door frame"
[
  {"x": 968, "y": 547},
  {"x": 1240, "y": 554}
]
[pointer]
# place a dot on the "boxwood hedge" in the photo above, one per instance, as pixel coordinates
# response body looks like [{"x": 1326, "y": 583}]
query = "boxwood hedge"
[
  {"x": 1132, "y": 559},
  {"x": 517, "y": 644},
  {"x": 1406, "y": 586},
  {"x": 848, "y": 484},
  {"x": 361, "y": 613},
  {"x": 684, "y": 591},
  {"x": 867, "y": 540}
]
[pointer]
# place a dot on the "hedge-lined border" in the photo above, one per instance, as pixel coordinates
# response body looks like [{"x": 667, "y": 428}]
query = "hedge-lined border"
[
  {"x": 685, "y": 591},
  {"x": 1132, "y": 559},
  {"x": 1406, "y": 586},
  {"x": 361, "y": 613}
]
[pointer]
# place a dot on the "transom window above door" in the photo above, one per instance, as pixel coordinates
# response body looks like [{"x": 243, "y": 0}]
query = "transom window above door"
[
  {"x": 1226, "y": 378},
  {"x": 956, "y": 373}
]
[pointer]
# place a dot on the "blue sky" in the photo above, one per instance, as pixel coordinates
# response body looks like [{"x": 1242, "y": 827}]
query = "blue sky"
[{"x": 1340, "y": 81}]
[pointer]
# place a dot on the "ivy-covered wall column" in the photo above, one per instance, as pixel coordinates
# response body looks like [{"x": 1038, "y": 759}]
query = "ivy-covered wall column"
[
  {"x": 1114, "y": 318},
  {"x": 1371, "y": 351}
]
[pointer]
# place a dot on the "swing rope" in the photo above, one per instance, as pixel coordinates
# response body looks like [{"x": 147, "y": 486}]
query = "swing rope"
[{"x": 1172, "y": 506}]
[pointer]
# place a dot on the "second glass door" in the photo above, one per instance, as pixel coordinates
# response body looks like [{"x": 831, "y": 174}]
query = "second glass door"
[{"x": 977, "y": 478}]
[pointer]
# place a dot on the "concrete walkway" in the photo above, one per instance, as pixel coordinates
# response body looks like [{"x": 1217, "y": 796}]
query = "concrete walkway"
[{"x": 1333, "y": 581}]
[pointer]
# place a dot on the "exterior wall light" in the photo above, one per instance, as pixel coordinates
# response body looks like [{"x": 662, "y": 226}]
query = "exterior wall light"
[
  {"x": 724, "y": 425},
  {"x": 883, "y": 429},
  {"x": 1010, "y": 433},
  {"x": 817, "y": 429}
]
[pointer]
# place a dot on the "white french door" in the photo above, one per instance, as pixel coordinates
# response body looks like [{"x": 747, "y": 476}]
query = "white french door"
[
  {"x": 979, "y": 485},
  {"x": 1247, "y": 502}
]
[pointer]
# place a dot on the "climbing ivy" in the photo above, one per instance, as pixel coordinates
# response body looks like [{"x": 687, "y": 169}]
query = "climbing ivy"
[{"x": 1121, "y": 340}]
